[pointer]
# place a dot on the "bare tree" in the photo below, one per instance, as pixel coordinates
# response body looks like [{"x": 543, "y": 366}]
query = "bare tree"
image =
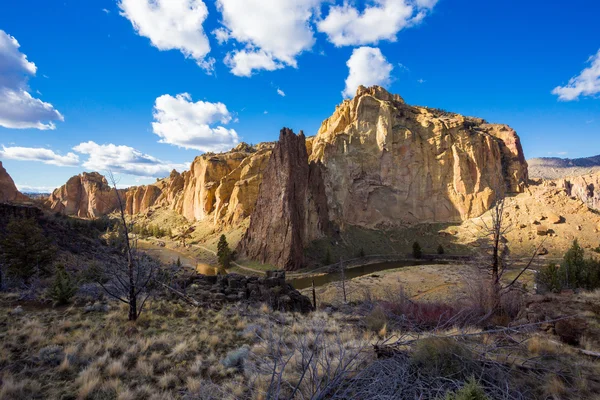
[
  {"x": 130, "y": 282},
  {"x": 498, "y": 263}
]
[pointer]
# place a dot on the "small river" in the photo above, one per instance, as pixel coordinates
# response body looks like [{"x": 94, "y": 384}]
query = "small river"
[{"x": 351, "y": 272}]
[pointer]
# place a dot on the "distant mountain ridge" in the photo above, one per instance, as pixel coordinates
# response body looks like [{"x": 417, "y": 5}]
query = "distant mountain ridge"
[{"x": 555, "y": 167}]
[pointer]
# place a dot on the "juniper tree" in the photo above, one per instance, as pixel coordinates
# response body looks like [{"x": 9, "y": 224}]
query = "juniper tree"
[
  {"x": 223, "y": 252},
  {"x": 25, "y": 250},
  {"x": 63, "y": 288}
]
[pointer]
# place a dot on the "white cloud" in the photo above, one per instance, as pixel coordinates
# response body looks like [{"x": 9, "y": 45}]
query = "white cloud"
[
  {"x": 18, "y": 109},
  {"x": 34, "y": 189},
  {"x": 280, "y": 92},
  {"x": 587, "y": 83},
  {"x": 124, "y": 159},
  {"x": 107, "y": 11},
  {"x": 274, "y": 33},
  {"x": 172, "y": 25},
  {"x": 367, "y": 67},
  {"x": 46, "y": 156},
  {"x": 183, "y": 123},
  {"x": 243, "y": 63},
  {"x": 345, "y": 25}
]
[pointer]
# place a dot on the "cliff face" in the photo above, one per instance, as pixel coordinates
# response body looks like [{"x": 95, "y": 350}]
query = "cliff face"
[
  {"x": 388, "y": 163},
  {"x": 586, "y": 188},
  {"x": 8, "y": 190},
  {"x": 222, "y": 188},
  {"x": 291, "y": 210},
  {"x": 87, "y": 196}
]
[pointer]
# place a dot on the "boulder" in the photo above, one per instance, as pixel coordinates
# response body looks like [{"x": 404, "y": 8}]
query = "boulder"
[{"x": 554, "y": 218}]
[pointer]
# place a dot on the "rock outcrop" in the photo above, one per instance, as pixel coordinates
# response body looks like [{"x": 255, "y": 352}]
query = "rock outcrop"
[
  {"x": 86, "y": 196},
  {"x": 388, "y": 163},
  {"x": 232, "y": 288},
  {"x": 222, "y": 188},
  {"x": 586, "y": 188},
  {"x": 291, "y": 210},
  {"x": 8, "y": 190}
]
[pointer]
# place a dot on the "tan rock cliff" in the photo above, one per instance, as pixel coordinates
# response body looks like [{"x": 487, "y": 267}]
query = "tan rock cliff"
[
  {"x": 586, "y": 188},
  {"x": 388, "y": 163},
  {"x": 86, "y": 196},
  {"x": 8, "y": 190}
]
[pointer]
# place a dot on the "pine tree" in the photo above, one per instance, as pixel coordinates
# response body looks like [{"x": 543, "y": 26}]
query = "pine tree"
[
  {"x": 223, "y": 252},
  {"x": 25, "y": 249},
  {"x": 573, "y": 265},
  {"x": 417, "y": 251},
  {"x": 63, "y": 288},
  {"x": 440, "y": 250}
]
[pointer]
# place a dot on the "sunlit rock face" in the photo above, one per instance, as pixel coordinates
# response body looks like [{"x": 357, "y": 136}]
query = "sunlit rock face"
[
  {"x": 8, "y": 190},
  {"x": 86, "y": 196},
  {"x": 387, "y": 163},
  {"x": 586, "y": 188}
]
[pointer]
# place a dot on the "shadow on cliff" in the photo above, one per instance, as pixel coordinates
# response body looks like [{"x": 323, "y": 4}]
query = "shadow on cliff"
[{"x": 356, "y": 242}]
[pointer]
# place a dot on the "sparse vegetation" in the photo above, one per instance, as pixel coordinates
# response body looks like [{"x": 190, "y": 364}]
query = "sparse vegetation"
[
  {"x": 574, "y": 272},
  {"x": 26, "y": 251}
]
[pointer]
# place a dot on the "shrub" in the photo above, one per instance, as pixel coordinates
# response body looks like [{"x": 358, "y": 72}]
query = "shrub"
[
  {"x": 376, "y": 319},
  {"x": 235, "y": 358},
  {"x": 440, "y": 250},
  {"x": 573, "y": 266},
  {"x": 438, "y": 356},
  {"x": 570, "y": 330},
  {"x": 63, "y": 288},
  {"x": 471, "y": 391},
  {"x": 416, "y": 250}
]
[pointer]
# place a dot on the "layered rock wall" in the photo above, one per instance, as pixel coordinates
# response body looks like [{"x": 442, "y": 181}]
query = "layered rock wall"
[
  {"x": 586, "y": 188},
  {"x": 291, "y": 210},
  {"x": 388, "y": 163},
  {"x": 86, "y": 196}
]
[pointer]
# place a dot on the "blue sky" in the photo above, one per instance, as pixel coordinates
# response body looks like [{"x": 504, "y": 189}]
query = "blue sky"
[{"x": 108, "y": 69}]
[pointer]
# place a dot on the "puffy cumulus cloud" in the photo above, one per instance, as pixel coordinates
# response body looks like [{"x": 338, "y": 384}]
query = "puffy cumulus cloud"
[
  {"x": 18, "y": 109},
  {"x": 172, "y": 25},
  {"x": 46, "y": 156},
  {"x": 243, "y": 62},
  {"x": 367, "y": 67},
  {"x": 587, "y": 83},
  {"x": 274, "y": 33},
  {"x": 345, "y": 25},
  {"x": 181, "y": 122},
  {"x": 124, "y": 160}
]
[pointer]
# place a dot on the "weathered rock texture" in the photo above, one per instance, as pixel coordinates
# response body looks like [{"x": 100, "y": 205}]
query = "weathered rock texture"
[
  {"x": 586, "y": 188},
  {"x": 86, "y": 196},
  {"x": 291, "y": 209},
  {"x": 8, "y": 190},
  {"x": 271, "y": 289},
  {"x": 222, "y": 188},
  {"x": 388, "y": 163}
]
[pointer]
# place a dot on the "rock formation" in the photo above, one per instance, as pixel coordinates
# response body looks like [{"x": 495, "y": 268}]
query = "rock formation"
[
  {"x": 388, "y": 163},
  {"x": 291, "y": 210},
  {"x": 556, "y": 168},
  {"x": 86, "y": 196},
  {"x": 222, "y": 188},
  {"x": 8, "y": 190},
  {"x": 233, "y": 288},
  {"x": 586, "y": 188}
]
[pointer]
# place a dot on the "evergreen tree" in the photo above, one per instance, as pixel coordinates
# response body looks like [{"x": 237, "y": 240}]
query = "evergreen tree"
[
  {"x": 440, "y": 250},
  {"x": 327, "y": 260},
  {"x": 573, "y": 266},
  {"x": 178, "y": 262},
  {"x": 223, "y": 252},
  {"x": 63, "y": 288},
  {"x": 25, "y": 250},
  {"x": 417, "y": 251}
]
